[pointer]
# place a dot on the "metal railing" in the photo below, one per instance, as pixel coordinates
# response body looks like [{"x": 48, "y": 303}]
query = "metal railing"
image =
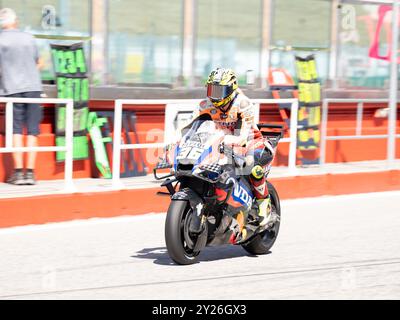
[
  {"x": 68, "y": 148},
  {"x": 117, "y": 146},
  {"x": 358, "y": 131}
]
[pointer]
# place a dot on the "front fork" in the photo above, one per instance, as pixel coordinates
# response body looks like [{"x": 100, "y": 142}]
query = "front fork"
[
  {"x": 199, "y": 219},
  {"x": 198, "y": 226}
]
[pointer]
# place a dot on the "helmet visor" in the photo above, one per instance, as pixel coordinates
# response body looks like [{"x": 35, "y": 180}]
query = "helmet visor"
[{"x": 218, "y": 92}]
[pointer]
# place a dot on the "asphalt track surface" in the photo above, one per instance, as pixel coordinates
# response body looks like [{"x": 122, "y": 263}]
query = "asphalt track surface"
[{"x": 343, "y": 247}]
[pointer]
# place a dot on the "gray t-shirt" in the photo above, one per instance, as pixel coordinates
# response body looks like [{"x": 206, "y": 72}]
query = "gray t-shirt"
[{"x": 18, "y": 63}]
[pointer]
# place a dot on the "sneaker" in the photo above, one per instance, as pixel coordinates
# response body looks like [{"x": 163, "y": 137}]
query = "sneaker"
[
  {"x": 17, "y": 178},
  {"x": 30, "y": 178}
]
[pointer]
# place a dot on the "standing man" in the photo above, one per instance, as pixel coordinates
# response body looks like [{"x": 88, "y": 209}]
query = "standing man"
[{"x": 20, "y": 77}]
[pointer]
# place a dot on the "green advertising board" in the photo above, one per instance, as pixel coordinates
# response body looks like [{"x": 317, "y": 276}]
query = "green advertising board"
[{"x": 72, "y": 83}]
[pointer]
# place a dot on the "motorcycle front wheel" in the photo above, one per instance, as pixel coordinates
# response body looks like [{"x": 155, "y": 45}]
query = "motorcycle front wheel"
[{"x": 178, "y": 240}]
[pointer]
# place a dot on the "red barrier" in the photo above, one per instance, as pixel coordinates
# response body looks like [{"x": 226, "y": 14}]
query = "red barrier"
[{"x": 56, "y": 208}]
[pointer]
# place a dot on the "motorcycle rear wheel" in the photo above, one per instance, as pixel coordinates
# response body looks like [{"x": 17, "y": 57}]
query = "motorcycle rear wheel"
[
  {"x": 178, "y": 241},
  {"x": 263, "y": 242}
]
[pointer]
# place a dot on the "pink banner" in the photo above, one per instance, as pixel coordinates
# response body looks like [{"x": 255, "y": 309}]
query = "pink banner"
[{"x": 374, "y": 49}]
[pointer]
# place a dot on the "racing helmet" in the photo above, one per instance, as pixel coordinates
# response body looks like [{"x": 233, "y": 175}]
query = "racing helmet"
[{"x": 222, "y": 88}]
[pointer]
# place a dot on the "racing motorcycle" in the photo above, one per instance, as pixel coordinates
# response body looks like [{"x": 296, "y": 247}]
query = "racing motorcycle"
[{"x": 205, "y": 182}]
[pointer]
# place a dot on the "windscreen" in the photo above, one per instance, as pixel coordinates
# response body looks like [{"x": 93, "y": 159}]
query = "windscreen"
[{"x": 200, "y": 131}]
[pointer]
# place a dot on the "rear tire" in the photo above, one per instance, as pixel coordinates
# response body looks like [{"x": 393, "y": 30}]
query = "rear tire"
[
  {"x": 176, "y": 225},
  {"x": 263, "y": 242}
]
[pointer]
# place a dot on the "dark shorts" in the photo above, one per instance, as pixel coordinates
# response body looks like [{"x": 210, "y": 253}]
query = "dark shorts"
[{"x": 27, "y": 115}]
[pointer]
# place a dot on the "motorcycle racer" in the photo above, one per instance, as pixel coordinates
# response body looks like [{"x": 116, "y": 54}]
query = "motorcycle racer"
[{"x": 233, "y": 112}]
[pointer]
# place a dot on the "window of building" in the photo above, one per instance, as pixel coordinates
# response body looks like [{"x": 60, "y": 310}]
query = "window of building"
[
  {"x": 300, "y": 27},
  {"x": 144, "y": 41},
  {"x": 359, "y": 65},
  {"x": 228, "y": 36},
  {"x": 52, "y": 21}
]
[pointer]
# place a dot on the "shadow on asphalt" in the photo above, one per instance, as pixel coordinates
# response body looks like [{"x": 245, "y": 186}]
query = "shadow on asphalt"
[{"x": 160, "y": 254}]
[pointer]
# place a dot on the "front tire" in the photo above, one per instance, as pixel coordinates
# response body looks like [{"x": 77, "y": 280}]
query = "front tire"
[
  {"x": 263, "y": 242},
  {"x": 177, "y": 238}
]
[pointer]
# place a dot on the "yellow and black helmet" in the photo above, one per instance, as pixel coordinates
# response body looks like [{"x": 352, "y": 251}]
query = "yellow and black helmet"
[{"x": 222, "y": 88}]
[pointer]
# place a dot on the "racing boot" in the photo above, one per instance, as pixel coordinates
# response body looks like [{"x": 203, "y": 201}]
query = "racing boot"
[
  {"x": 259, "y": 183},
  {"x": 239, "y": 231},
  {"x": 264, "y": 211}
]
